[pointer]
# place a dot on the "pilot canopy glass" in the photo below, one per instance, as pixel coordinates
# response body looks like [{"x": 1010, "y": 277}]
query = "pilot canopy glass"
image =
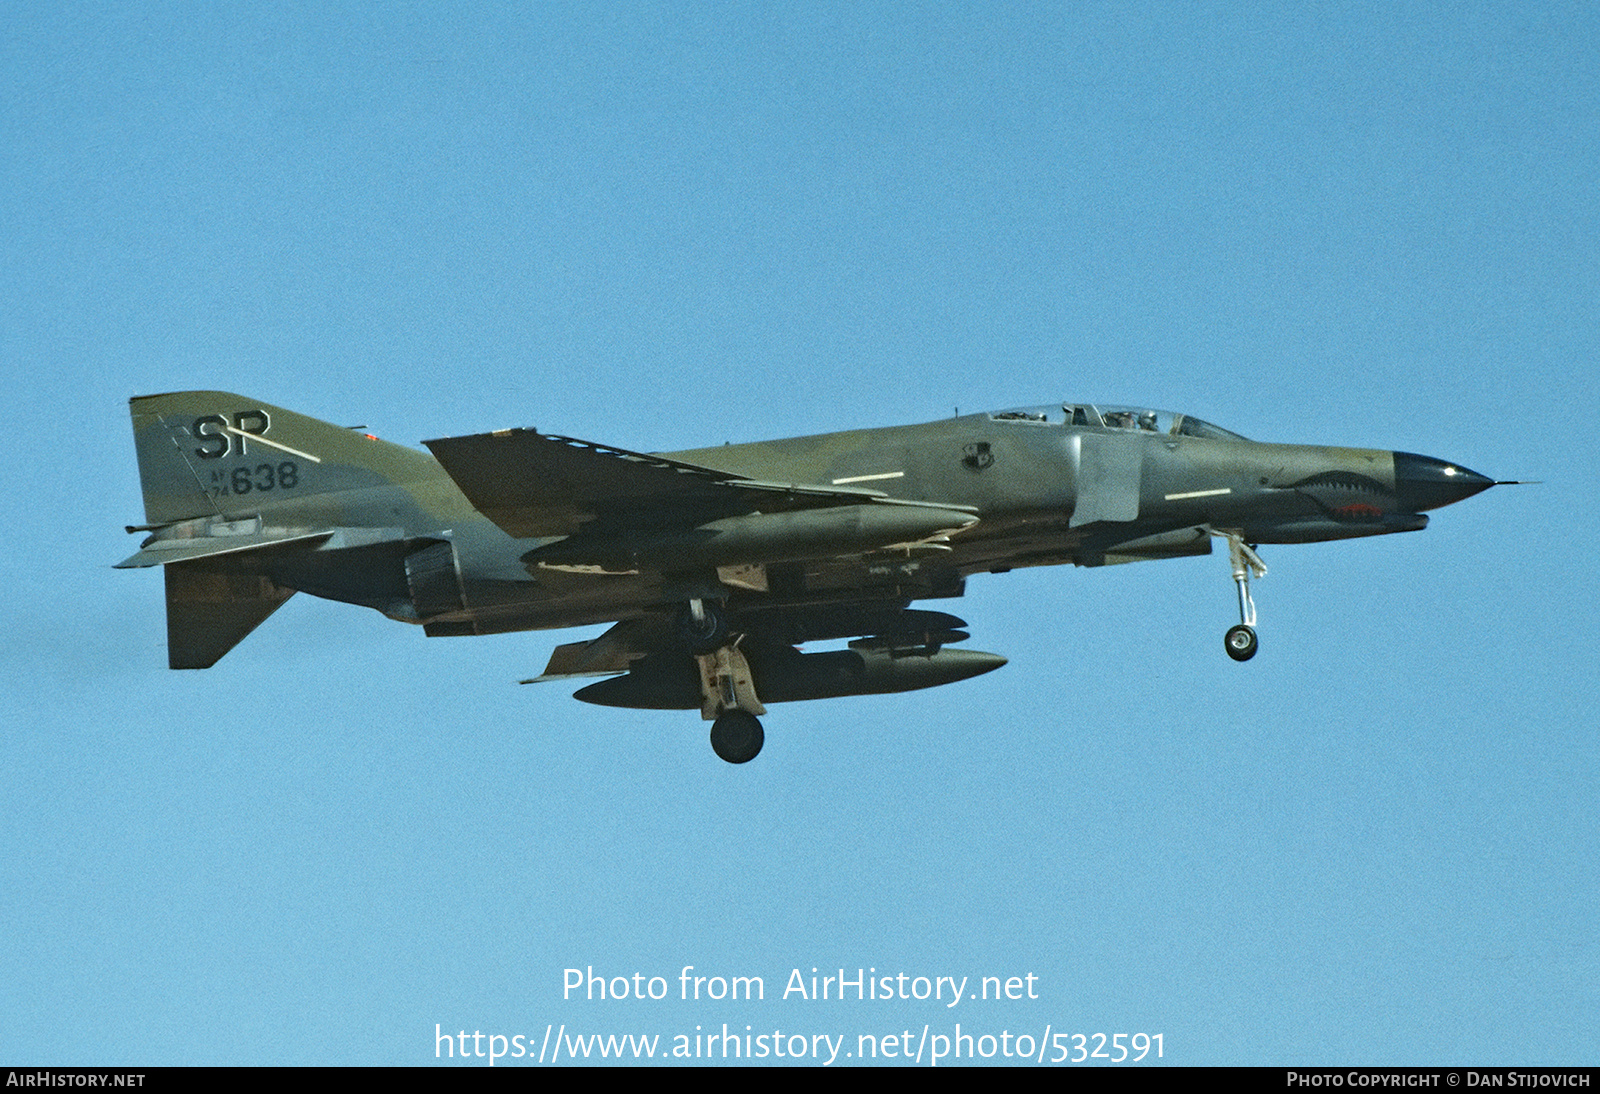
[{"x": 1119, "y": 418}]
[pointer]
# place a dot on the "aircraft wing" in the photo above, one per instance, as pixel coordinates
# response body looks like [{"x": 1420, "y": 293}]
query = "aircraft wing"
[
  {"x": 536, "y": 484},
  {"x": 887, "y": 626}
]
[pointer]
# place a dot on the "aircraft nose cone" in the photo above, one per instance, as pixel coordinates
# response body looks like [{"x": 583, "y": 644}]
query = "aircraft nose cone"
[{"x": 1422, "y": 482}]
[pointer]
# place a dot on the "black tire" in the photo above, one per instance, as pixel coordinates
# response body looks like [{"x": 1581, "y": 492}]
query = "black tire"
[
  {"x": 1241, "y": 642},
  {"x": 737, "y": 736}
]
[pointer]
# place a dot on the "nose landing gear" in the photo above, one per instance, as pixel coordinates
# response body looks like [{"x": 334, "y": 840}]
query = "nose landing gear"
[{"x": 1241, "y": 641}]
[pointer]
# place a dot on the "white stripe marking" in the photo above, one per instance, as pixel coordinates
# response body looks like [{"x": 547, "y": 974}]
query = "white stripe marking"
[
  {"x": 870, "y": 478},
  {"x": 274, "y": 444},
  {"x": 1199, "y": 494}
]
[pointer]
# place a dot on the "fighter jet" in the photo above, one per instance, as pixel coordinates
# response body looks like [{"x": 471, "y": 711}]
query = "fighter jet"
[{"x": 714, "y": 566}]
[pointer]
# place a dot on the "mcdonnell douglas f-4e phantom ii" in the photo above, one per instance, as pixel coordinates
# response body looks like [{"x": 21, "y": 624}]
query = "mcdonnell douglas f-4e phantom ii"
[{"x": 713, "y": 565}]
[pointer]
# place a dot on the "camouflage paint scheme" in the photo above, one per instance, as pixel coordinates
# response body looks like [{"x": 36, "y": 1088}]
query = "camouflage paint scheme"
[{"x": 715, "y": 564}]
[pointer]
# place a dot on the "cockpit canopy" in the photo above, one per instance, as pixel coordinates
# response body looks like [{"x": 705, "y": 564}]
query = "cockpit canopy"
[{"x": 1130, "y": 418}]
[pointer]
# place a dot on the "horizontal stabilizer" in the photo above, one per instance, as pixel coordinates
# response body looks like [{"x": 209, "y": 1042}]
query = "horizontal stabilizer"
[
  {"x": 161, "y": 552},
  {"x": 211, "y": 608}
]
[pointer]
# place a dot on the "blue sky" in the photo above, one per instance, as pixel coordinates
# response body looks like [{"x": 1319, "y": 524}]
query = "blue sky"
[{"x": 667, "y": 226}]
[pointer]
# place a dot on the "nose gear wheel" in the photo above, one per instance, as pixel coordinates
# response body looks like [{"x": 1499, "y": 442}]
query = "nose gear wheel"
[{"x": 1241, "y": 641}]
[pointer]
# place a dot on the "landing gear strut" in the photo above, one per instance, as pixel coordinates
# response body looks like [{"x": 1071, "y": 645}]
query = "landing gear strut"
[
  {"x": 1240, "y": 641},
  {"x": 702, "y": 626},
  {"x": 729, "y": 702}
]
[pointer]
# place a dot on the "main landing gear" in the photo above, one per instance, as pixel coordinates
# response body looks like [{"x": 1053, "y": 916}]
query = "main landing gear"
[
  {"x": 727, "y": 689},
  {"x": 737, "y": 736},
  {"x": 1240, "y": 641},
  {"x": 702, "y": 626}
]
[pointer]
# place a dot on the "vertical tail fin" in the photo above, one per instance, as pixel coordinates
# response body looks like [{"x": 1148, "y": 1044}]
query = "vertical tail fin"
[
  {"x": 227, "y": 481},
  {"x": 216, "y": 454}
]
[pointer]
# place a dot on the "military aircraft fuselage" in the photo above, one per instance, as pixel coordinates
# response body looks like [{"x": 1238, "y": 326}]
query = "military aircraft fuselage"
[
  {"x": 1025, "y": 477},
  {"x": 715, "y": 564}
]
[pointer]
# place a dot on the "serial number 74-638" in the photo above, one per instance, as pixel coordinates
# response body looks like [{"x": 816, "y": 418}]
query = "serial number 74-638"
[{"x": 260, "y": 478}]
